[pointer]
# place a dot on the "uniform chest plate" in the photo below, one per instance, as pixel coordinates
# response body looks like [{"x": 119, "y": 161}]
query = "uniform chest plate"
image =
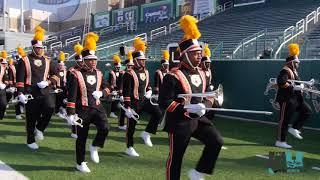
[{"x": 91, "y": 79}]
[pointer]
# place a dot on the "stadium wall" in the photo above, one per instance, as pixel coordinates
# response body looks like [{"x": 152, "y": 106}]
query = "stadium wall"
[{"x": 245, "y": 85}]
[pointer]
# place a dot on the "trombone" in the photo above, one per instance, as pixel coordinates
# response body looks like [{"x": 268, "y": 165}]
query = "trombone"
[
  {"x": 310, "y": 83},
  {"x": 218, "y": 95}
]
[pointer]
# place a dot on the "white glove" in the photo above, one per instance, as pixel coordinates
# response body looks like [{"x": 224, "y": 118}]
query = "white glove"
[
  {"x": 43, "y": 84},
  {"x": 198, "y": 109},
  {"x": 72, "y": 120},
  {"x": 129, "y": 113},
  {"x": 23, "y": 99},
  {"x": 11, "y": 90},
  {"x": 298, "y": 87},
  {"x": 2, "y": 86},
  {"x": 148, "y": 94},
  {"x": 97, "y": 94},
  {"x": 121, "y": 99},
  {"x": 211, "y": 88},
  {"x": 114, "y": 93}
]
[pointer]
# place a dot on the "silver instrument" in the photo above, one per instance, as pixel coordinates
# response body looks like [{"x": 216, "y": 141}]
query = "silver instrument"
[
  {"x": 218, "y": 96},
  {"x": 154, "y": 100},
  {"x": 79, "y": 121},
  {"x": 309, "y": 84},
  {"x": 15, "y": 101},
  {"x": 11, "y": 90},
  {"x": 56, "y": 91},
  {"x": 135, "y": 115}
]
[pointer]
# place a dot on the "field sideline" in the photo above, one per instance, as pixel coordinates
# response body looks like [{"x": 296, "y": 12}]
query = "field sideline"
[{"x": 56, "y": 160}]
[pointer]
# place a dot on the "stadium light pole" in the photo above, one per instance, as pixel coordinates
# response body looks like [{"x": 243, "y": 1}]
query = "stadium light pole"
[{"x": 22, "y": 18}]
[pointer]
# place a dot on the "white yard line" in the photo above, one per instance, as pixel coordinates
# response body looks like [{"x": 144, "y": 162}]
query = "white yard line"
[
  {"x": 316, "y": 168},
  {"x": 224, "y": 148},
  {"x": 7, "y": 173},
  {"x": 262, "y": 156}
]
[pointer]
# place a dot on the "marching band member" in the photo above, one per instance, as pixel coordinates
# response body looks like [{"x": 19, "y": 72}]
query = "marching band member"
[
  {"x": 136, "y": 93},
  {"x": 3, "y": 83},
  {"x": 86, "y": 87},
  {"x": 36, "y": 75},
  {"x": 161, "y": 72},
  {"x": 61, "y": 84},
  {"x": 11, "y": 91},
  {"x": 205, "y": 66},
  {"x": 291, "y": 99},
  {"x": 185, "y": 117},
  {"x": 77, "y": 66},
  {"x": 128, "y": 63},
  {"x": 115, "y": 82}
]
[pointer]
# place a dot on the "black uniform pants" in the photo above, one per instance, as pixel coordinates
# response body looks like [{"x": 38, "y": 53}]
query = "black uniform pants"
[
  {"x": 287, "y": 109},
  {"x": 17, "y": 106},
  {"x": 38, "y": 114},
  {"x": 99, "y": 119},
  {"x": 3, "y": 103},
  {"x": 59, "y": 101},
  {"x": 114, "y": 106},
  {"x": 122, "y": 117},
  {"x": 155, "y": 113},
  {"x": 178, "y": 143}
]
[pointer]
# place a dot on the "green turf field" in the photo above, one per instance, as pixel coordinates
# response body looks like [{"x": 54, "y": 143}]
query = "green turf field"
[{"x": 56, "y": 160}]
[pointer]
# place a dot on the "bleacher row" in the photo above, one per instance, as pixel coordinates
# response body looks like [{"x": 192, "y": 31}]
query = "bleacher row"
[{"x": 224, "y": 31}]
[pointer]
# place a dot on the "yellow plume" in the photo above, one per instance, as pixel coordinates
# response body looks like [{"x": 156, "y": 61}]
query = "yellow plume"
[
  {"x": 139, "y": 45},
  {"x": 78, "y": 48},
  {"x": 207, "y": 51},
  {"x": 294, "y": 49},
  {"x": 116, "y": 59},
  {"x": 129, "y": 55},
  {"x": 4, "y": 54},
  {"x": 39, "y": 34},
  {"x": 62, "y": 56},
  {"x": 10, "y": 61},
  {"x": 165, "y": 55},
  {"x": 91, "y": 41},
  {"x": 189, "y": 26},
  {"x": 21, "y": 51}
]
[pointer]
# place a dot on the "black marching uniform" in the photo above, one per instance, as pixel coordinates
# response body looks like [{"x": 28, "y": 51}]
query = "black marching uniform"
[
  {"x": 182, "y": 125},
  {"x": 30, "y": 71},
  {"x": 158, "y": 79},
  {"x": 3, "y": 98},
  {"x": 290, "y": 101},
  {"x": 135, "y": 84},
  {"x": 12, "y": 83},
  {"x": 70, "y": 72},
  {"x": 115, "y": 80},
  {"x": 81, "y": 85},
  {"x": 61, "y": 84}
]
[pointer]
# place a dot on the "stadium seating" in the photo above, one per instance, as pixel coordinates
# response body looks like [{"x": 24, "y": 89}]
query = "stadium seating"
[{"x": 231, "y": 26}]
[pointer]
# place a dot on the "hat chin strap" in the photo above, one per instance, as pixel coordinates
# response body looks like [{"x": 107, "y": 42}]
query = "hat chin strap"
[
  {"x": 189, "y": 62},
  {"x": 34, "y": 52}
]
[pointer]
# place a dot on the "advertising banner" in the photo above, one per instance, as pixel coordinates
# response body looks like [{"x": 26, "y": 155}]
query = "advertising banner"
[
  {"x": 156, "y": 11},
  {"x": 101, "y": 20},
  {"x": 125, "y": 15}
]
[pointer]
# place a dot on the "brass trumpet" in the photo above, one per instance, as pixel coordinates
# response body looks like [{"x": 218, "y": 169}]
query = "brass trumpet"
[{"x": 135, "y": 115}]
